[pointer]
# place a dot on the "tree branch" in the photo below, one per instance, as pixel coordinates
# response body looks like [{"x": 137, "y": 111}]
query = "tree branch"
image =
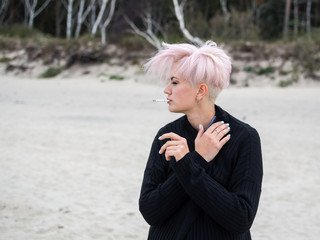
[
  {"x": 149, "y": 36},
  {"x": 179, "y": 14},
  {"x": 41, "y": 8},
  {"x": 99, "y": 18}
]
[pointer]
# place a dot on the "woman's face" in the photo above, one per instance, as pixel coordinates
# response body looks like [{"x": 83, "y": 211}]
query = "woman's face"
[{"x": 181, "y": 95}]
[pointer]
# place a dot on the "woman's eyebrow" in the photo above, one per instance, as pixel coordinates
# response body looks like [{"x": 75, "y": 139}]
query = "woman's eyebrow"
[{"x": 173, "y": 77}]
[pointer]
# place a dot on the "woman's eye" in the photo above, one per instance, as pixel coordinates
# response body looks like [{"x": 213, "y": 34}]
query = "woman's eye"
[{"x": 174, "y": 82}]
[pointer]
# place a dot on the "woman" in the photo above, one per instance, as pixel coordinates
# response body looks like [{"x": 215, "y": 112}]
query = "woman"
[{"x": 203, "y": 176}]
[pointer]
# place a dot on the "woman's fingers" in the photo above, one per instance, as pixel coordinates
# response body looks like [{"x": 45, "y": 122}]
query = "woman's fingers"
[
  {"x": 223, "y": 132},
  {"x": 219, "y": 128},
  {"x": 167, "y": 144},
  {"x": 171, "y": 135},
  {"x": 170, "y": 152},
  {"x": 200, "y": 132},
  {"x": 175, "y": 138},
  {"x": 212, "y": 140},
  {"x": 224, "y": 140},
  {"x": 214, "y": 126},
  {"x": 176, "y": 147},
  {"x": 177, "y": 151}
]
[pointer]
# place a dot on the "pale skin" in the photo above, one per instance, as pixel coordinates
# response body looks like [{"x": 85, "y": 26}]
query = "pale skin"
[{"x": 195, "y": 103}]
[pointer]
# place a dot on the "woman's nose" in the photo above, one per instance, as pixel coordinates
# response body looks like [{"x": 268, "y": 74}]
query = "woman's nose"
[{"x": 167, "y": 90}]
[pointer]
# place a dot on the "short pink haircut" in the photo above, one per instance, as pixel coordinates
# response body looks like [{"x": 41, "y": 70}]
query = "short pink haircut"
[{"x": 205, "y": 64}]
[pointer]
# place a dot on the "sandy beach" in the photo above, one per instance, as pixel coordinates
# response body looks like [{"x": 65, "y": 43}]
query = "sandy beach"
[{"x": 73, "y": 152}]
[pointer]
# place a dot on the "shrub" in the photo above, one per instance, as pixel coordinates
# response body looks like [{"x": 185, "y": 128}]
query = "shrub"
[
  {"x": 266, "y": 70},
  {"x": 4, "y": 60},
  {"x": 248, "y": 69},
  {"x": 285, "y": 83},
  {"x": 19, "y": 31},
  {"x": 51, "y": 72},
  {"x": 260, "y": 71},
  {"x": 116, "y": 77}
]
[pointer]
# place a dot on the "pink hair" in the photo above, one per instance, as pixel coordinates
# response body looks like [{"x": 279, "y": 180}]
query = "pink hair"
[{"x": 206, "y": 64}]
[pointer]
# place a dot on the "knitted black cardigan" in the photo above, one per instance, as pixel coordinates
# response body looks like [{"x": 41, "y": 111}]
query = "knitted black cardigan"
[{"x": 193, "y": 199}]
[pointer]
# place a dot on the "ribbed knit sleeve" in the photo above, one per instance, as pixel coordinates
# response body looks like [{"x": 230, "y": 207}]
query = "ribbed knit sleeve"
[
  {"x": 233, "y": 208},
  {"x": 161, "y": 192}
]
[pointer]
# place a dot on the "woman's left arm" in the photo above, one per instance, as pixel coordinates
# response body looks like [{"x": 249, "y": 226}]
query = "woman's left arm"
[{"x": 234, "y": 208}]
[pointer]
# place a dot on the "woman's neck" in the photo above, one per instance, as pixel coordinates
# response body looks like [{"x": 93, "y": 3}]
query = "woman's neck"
[{"x": 203, "y": 115}]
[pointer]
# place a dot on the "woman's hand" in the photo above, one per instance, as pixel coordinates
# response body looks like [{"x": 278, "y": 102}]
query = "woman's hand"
[
  {"x": 176, "y": 147},
  {"x": 209, "y": 143}
]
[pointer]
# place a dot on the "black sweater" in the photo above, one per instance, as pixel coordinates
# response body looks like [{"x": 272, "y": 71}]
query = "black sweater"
[{"x": 194, "y": 199}]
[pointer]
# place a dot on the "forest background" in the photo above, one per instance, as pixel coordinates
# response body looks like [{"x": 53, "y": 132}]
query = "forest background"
[{"x": 267, "y": 39}]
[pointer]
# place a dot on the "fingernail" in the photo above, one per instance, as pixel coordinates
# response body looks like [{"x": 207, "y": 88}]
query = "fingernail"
[
  {"x": 229, "y": 128},
  {"x": 160, "y": 149},
  {"x": 222, "y": 121},
  {"x": 228, "y": 124},
  {"x": 229, "y": 135},
  {"x": 199, "y": 126},
  {"x": 160, "y": 137}
]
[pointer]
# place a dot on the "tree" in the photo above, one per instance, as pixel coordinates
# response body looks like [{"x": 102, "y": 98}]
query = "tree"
[
  {"x": 308, "y": 17},
  {"x": 102, "y": 24},
  {"x": 93, "y": 16},
  {"x": 224, "y": 8},
  {"x": 149, "y": 35},
  {"x": 82, "y": 16},
  {"x": 4, "y": 4},
  {"x": 316, "y": 13},
  {"x": 178, "y": 8},
  {"x": 57, "y": 13},
  {"x": 296, "y": 17},
  {"x": 286, "y": 19},
  {"x": 30, "y": 8},
  {"x": 69, "y": 19},
  {"x": 99, "y": 18}
]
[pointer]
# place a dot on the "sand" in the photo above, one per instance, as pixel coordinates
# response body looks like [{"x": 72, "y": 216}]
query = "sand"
[{"x": 73, "y": 152}]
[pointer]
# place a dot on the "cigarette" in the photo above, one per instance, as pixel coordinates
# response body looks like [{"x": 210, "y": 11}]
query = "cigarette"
[{"x": 160, "y": 100}]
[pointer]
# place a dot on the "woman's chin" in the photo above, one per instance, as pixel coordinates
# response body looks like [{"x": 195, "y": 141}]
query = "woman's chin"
[
  {"x": 171, "y": 109},
  {"x": 174, "y": 110}
]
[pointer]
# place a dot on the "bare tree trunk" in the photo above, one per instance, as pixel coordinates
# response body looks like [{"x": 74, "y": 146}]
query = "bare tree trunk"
[
  {"x": 308, "y": 15},
  {"x": 58, "y": 28},
  {"x": 33, "y": 13},
  {"x": 26, "y": 14},
  {"x": 93, "y": 15},
  {"x": 286, "y": 19},
  {"x": 3, "y": 9},
  {"x": 82, "y": 16},
  {"x": 179, "y": 14},
  {"x": 79, "y": 22},
  {"x": 316, "y": 14},
  {"x": 296, "y": 18},
  {"x": 224, "y": 8},
  {"x": 99, "y": 18},
  {"x": 107, "y": 21},
  {"x": 69, "y": 19}
]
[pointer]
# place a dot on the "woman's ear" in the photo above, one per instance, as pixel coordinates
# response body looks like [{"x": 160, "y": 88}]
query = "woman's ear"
[{"x": 202, "y": 90}]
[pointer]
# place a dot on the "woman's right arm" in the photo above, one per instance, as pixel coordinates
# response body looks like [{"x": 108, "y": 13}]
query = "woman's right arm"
[{"x": 161, "y": 193}]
